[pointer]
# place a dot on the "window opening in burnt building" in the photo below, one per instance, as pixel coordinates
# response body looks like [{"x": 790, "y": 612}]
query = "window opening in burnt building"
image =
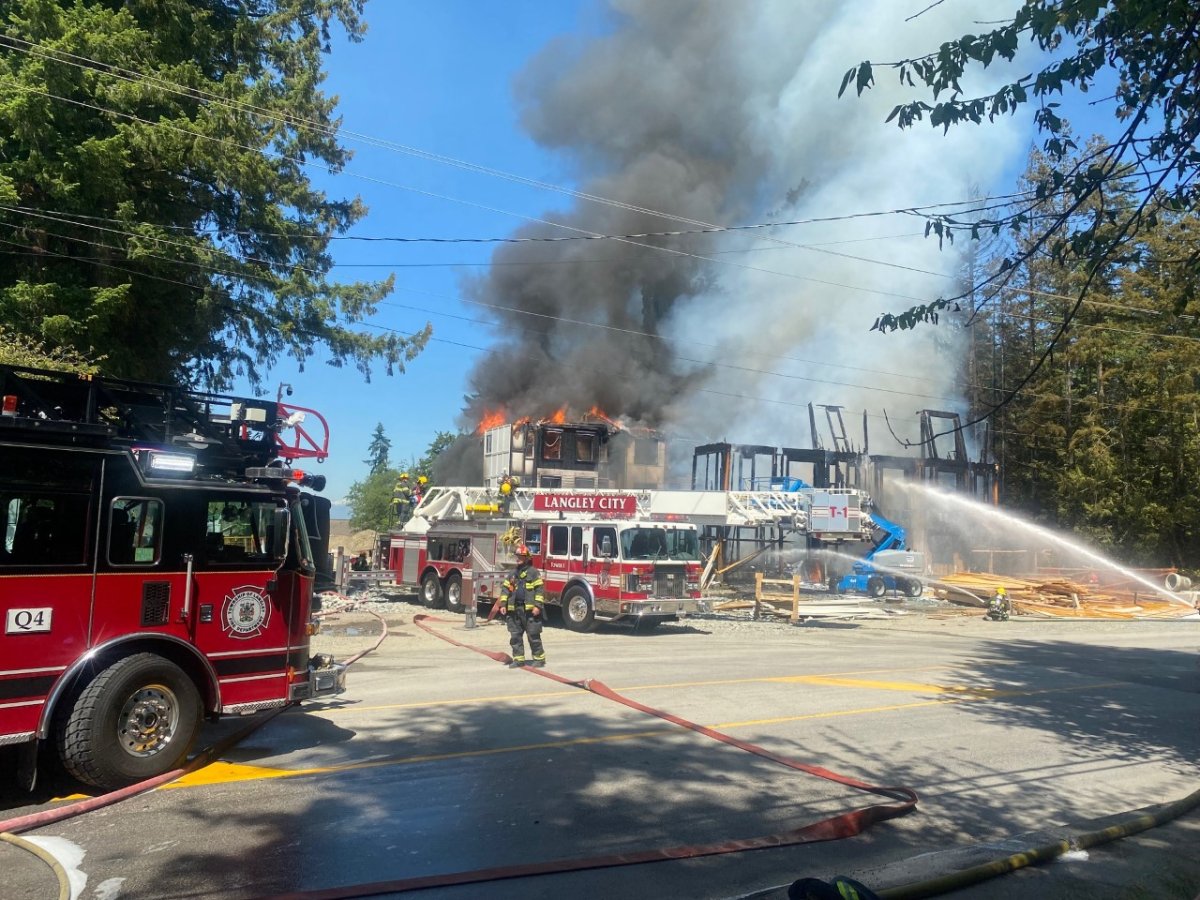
[{"x": 552, "y": 444}]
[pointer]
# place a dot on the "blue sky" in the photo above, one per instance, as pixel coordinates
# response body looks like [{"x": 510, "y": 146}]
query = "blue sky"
[
  {"x": 439, "y": 78},
  {"x": 436, "y": 77}
]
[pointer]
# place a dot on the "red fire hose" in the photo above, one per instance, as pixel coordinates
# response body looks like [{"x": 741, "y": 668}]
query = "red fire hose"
[
  {"x": 203, "y": 758},
  {"x": 833, "y": 828}
]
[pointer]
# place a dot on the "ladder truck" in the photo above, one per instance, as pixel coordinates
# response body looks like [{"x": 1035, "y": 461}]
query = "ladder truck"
[
  {"x": 157, "y": 562},
  {"x": 605, "y": 555},
  {"x": 602, "y": 556}
]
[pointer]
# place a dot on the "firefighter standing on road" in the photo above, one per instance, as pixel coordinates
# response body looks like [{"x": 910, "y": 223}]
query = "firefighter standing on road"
[{"x": 523, "y": 606}]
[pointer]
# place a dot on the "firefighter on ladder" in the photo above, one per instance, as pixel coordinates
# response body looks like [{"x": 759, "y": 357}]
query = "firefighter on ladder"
[
  {"x": 523, "y": 606},
  {"x": 402, "y": 499}
]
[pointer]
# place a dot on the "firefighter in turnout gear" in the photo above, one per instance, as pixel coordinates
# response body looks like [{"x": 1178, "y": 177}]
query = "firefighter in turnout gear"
[
  {"x": 402, "y": 499},
  {"x": 999, "y": 607},
  {"x": 523, "y": 606}
]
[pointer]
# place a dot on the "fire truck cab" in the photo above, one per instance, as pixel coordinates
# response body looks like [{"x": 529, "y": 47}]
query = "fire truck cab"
[
  {"x": 600, "y": 558},
  {"x": 157, "y": 563}
]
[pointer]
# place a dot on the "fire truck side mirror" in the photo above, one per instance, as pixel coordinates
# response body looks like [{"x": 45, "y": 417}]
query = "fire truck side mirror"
[
  {"x": 606, "y": 548},
  {"x": 279, "y": 543}
]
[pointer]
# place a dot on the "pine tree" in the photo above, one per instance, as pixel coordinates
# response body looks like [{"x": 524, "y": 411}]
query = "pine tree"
[
  {"x": 377, "y": 452},
  {"x": 155, "y": 201}
]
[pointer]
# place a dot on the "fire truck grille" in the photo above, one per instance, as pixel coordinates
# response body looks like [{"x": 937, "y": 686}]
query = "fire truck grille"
[
  {"x": 156, "y": 602},
  {"x": 668, "y": 584}
]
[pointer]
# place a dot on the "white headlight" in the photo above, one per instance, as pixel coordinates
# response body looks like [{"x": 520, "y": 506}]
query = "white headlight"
[{"x": 171, "y": 462}]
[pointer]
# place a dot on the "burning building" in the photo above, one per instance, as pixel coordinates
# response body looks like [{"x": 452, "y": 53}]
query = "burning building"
[{"x": 594, "y": 452}]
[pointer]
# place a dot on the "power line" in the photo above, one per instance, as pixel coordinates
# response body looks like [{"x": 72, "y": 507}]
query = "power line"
[
  {"x": 40, "y": 50},
  {"x": 92, "y": 64},
  {"x": 583, "y": 233},
  {"x": 410, "y": 335},
  {"x": 85, "y": 222},
  {"x": 628, "y": 331},
  {"x": 677, "y": 356}
]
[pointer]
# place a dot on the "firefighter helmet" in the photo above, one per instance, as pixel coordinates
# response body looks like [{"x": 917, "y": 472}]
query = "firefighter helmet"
[
  {"x": 421, "y": 479},
  {"x": 404, "y": 476},
  {"x": 1000, "y": 592},
  {"x": 523, "y": 552}
]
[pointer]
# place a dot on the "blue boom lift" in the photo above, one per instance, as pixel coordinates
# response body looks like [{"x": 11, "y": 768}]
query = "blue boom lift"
[{"x": 890, "y": 566}]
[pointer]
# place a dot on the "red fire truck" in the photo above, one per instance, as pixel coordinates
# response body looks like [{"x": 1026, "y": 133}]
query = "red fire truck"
[
  {"x": 601, "y": 556},
  {"x": 157, "y": 561}
]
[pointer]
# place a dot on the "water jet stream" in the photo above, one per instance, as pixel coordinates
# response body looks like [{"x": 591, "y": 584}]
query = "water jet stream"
[{"x": 987, "y": 513}]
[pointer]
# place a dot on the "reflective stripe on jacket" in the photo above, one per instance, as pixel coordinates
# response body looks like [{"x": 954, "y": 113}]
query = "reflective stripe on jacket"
[{"x": 524, "y": 587}]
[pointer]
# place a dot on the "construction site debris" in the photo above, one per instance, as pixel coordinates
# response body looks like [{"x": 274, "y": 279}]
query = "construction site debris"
[
  {"x": 778, "y": 598},
  {"x": 1061, "y": 597}
]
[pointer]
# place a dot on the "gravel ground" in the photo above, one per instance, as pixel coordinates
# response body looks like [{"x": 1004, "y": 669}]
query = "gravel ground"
[
  {"x": 924, "y": 614},
  {"x": 401, "y": 608}
]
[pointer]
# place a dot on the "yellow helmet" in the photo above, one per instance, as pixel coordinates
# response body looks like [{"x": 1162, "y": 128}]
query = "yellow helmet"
[
  {"x": 1001, "y": 592},
  {"x": 421, "y": 479},
  {"x": 404, "y": 476},
  {"x": 506, "y": 487}
]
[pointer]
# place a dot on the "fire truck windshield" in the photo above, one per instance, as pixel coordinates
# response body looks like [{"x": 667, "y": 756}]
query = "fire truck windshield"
[
  {"x": 243, "y": 531},
  {"x": 660, "y": 543},
  {"x": 300, "y": 543}
]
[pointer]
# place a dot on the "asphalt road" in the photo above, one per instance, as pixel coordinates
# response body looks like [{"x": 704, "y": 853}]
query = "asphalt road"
[{"x": 440, "y": 760}]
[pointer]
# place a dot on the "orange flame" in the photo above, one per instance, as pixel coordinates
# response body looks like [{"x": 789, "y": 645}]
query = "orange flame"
[
  {"x": 559, "y": 417},
  {"x": 491, "y": 420},
  {"x": 597, "y": 413}
]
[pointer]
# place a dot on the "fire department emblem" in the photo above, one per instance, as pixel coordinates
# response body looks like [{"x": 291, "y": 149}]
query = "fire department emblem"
[{"x": 246, "y": 613}]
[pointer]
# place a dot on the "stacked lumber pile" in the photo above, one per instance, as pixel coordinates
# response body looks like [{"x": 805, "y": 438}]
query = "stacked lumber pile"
[{"x": 1063, "y": 598}]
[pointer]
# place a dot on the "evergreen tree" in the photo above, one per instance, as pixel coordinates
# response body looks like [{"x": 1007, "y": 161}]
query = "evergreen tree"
[
  {"x": 18, "y": 350},
  {"x": 155, "y": 202},
  {"x": 377, "y": 453}
]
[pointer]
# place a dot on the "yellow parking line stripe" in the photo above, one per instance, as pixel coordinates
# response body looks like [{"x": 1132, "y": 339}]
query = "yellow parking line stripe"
[
  {"x": 764, "y": 679},
  {"x": 910, "y": 687},
  {"x": 235, "y": 772}
]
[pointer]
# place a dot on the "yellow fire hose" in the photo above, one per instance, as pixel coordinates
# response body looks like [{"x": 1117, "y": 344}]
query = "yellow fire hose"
[
  {"x": 64, "y": 883},
  {"x": 932, "y": 887},
  {"x": 1034, "y": 855}
]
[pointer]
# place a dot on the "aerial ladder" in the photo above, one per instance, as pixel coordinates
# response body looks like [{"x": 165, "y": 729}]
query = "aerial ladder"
[{"x": 835, "y": 513}]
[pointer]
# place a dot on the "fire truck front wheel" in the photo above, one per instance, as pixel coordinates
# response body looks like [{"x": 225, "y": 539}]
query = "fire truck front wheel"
[
  {"x": 431, "y": 591},
  {"x": 135, "y": 720},
  {"x": 577, "y": 611}
]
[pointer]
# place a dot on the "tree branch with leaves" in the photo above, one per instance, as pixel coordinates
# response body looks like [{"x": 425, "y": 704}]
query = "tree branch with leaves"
[
  {"x": 155, "y": 199},
  {"x": 1151, "y": 47}
]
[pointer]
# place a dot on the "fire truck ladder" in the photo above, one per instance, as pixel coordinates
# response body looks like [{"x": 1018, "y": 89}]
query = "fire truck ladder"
[
  {"x": 830, "y": 511},
  {"x": 459, "y": 503},
  {"x": 767, "y": 507},
  {"x": 228, "y": 433}
]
